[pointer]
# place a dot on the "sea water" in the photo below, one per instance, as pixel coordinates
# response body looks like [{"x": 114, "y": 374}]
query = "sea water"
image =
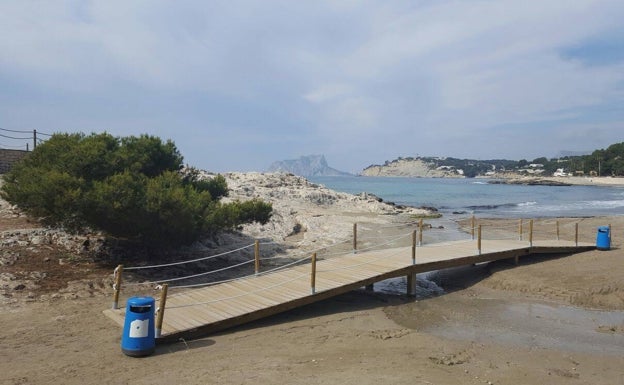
[{"x": 462, "y": 197}]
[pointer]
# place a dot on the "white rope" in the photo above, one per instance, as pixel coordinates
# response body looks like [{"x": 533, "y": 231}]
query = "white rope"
[
  {"x": 369, "y": 238},
  {"x": 284, "y": 266},
  {"x": 276, "y": 257},
  {"x": 189, "y": 261},
  {"x": 384, "y": 244},
  {"x": 413, "y": 223},
  {"x": 361, "y": 264},
  {"x": 446, "y": 243},
  {"x": 189, "y": 276},
  {"x": 313, "y": 251}
]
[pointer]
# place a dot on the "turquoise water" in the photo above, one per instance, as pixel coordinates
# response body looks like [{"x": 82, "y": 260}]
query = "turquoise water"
[{"x": 460, "y": 197}]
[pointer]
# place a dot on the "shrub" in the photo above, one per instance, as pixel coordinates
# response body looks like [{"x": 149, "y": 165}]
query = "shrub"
[{"x": 128, "y": 187}]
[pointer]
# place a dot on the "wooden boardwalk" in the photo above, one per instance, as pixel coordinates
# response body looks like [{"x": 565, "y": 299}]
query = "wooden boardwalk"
[{"x": 201, "y": 311}]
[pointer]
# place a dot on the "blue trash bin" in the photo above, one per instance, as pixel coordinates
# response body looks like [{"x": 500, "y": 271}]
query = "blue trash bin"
[
  {"x": 138, "y": 335},
  {"x": 603, "y": 238}
]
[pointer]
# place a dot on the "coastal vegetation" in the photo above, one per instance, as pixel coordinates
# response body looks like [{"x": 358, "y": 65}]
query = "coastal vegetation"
[
  {"x": 603, "y": 162},
  {"x": 128, "y": 187}
]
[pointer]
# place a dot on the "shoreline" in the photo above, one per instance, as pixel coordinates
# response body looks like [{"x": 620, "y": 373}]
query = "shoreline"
[{"x": 569, "y": 180}]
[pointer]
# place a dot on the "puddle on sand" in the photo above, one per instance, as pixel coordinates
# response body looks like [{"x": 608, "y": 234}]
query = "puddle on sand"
[
  {"x": 527, "y": 324},
  {"x": 511, "y": 322}
]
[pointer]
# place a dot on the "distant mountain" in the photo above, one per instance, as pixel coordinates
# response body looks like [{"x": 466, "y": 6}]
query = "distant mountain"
[{"x": 306, "y": 166}]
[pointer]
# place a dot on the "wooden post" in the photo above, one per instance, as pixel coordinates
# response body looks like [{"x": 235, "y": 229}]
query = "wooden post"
[
  {"x": 557, "y": 230},
  {"x": 411, "y": 284},
  {"x": 313, "y": 275},
  {"x": 472, "y": 227},
  {"x": 520, "y": 230},
  {"x": 420, "y": 231},
  {"x": 354, "y": 238},
  {"x": 576, "y": 233},
  {"x": 117, "y": 286},
  {"x": 609, "y": 233},
  {"x": 257, "y": 256},
  {"x": 531, "y": 233},
  {"x": 161, "y": 309},
  {"x": 414, "y": 247},
  {"x": 479, "y": 240}
]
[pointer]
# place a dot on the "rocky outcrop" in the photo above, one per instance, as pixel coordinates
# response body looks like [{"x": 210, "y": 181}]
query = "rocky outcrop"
[
  {"x": 306, "y": 166},
  {"x": 312, "y": 211},
  {"x": 530, "y": 182}
]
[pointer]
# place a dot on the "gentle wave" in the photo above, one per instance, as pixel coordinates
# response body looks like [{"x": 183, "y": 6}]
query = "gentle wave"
[
  {"x": 465, "y": 196},
  {"x": 495, "y": 207},
  {"x": 573, "y": 206}
]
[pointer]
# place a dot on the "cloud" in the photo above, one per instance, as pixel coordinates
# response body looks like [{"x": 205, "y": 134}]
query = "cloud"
[{"x": 360, "y": 81}]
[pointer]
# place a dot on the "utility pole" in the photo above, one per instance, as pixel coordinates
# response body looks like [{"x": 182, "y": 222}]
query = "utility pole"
[
  {"x": 34, "y": 139},
  {"x": 598, "y": 167}
]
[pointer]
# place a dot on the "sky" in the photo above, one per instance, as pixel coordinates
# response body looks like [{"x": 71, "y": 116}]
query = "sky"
[{"x": 238, "y": 85}]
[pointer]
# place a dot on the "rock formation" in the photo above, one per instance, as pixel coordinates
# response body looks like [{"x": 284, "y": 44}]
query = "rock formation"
[
  {"x": 306, "y": 166},
  {"x": 411, "y": 167}
]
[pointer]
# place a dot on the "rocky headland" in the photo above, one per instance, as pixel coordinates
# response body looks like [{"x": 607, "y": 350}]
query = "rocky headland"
[
  {"x": 311, "y": 213},
  {"x": 411, "y": 167}
]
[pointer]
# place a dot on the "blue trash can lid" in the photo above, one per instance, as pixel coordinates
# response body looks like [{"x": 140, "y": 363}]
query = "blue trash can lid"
[
  {"x": 141, "y": 301},
  {"x": 603, "y": 228}
]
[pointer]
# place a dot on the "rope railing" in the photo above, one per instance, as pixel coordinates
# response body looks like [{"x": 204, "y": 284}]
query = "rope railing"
[
  {"x": 367, "y": 262},
  {"x": 188, "y": 261},
  {"x": 336, "y": 243},
  {"x": 445, "y": 243},
  {"x": 525, "y": 230},
  {"x": 161, "y": 281},
  {"x": 243, "y": 277},
  {"x": 386, "y": 243}
]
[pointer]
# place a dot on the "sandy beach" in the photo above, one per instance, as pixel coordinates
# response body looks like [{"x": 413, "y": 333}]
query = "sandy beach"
[
  {"x": 555, "y": 320},
  {"x": 575, "y": 180}
]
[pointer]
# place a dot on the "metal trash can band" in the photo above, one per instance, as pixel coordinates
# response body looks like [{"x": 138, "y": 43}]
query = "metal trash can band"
[
  {"x": 138, "y": 337},
  {"x": 603, "y": 238}
]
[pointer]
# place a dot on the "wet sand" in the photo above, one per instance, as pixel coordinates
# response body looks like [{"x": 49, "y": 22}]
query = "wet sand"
[{"x": 555, "y": 320}]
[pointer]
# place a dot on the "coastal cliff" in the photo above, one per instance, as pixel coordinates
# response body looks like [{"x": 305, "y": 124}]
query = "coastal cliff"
[{"x": 412, "y": 167}]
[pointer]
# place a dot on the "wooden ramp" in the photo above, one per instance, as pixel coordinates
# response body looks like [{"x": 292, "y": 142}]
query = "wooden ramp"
[{"x": 201, "y": 311}]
